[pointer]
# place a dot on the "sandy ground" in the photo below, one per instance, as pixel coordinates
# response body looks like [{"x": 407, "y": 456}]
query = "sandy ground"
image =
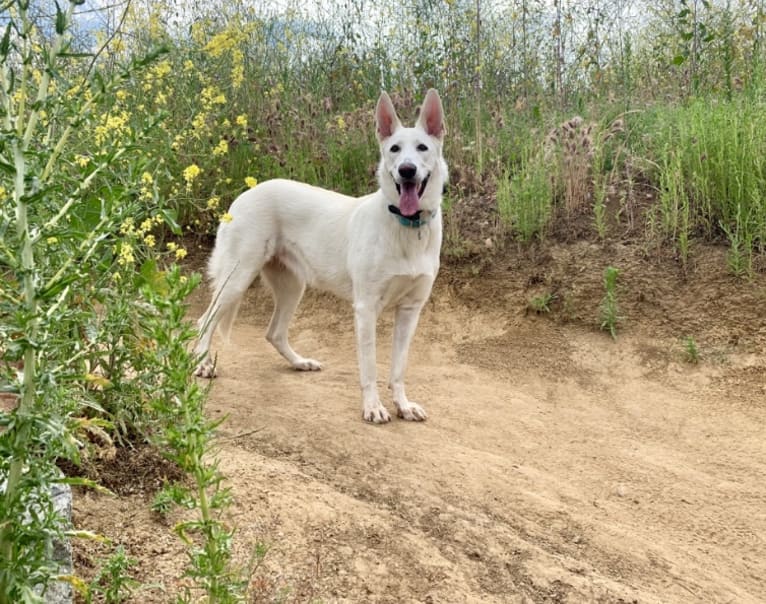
[{"x": 556, "y": 466}]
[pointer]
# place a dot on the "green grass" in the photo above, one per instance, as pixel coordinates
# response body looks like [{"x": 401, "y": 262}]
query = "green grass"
[
  {"x": 711, "y": 171},
  {"x": 525, "y": 197}
]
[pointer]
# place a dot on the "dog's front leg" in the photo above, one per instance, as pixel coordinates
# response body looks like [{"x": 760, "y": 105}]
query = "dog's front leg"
[
  {"x": 405, "y": 322},
  {"x": 365, "y": 320}
]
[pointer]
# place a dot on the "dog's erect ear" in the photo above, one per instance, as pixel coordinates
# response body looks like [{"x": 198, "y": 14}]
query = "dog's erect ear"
[
  {"x": 431, "y": 117},
  {"x": 386, "y": 120}
]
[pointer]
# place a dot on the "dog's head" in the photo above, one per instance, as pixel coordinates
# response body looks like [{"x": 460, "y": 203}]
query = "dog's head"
[{"x": 412, "y": 169}]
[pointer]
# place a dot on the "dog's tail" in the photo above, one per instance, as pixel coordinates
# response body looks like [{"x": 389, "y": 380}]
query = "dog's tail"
[{"x": 224, "y": 274}]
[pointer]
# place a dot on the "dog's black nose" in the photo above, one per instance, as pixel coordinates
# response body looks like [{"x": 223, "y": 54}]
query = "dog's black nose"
[{"x": 408, "y": 171}]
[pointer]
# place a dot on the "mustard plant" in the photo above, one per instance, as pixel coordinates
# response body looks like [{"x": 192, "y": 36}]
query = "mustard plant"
[
  {"x": 186, "y": 437},
  {"x": 87, "y": 316}
]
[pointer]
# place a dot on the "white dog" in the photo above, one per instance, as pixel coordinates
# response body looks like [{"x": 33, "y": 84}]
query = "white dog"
[{"x": 379, "y": 251}]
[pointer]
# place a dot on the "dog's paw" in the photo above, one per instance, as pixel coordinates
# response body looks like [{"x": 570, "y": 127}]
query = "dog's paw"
[
  {"x": 376, "y": 414},
  {"x": 307, "y": 365},
  {"x": 411, "y": 412},
  {"x": 206, "y": 369}
]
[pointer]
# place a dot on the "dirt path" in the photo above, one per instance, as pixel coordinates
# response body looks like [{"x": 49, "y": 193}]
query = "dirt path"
[{"x": 556, "y": 466}]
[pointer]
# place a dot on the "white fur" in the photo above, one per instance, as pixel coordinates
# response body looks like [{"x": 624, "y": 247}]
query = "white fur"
[{"x": 294, "y": 235}]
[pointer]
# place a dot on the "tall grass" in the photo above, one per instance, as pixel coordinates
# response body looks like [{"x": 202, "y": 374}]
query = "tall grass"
[
  {"x": 524, "y": 198},
  {"x": 712, "y": 174}
]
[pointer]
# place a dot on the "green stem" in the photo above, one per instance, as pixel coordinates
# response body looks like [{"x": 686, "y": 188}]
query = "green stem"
[
  {"x": 28, "y": 387},
  {"x": 204, "y": 505},
  {"x": 19, "y": 147}
]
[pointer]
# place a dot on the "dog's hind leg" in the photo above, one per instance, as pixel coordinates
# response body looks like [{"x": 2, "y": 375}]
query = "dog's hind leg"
[{"x": 288, "y": 290}]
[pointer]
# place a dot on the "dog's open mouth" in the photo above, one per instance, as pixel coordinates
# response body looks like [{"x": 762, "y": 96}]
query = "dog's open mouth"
[{"x": 409, "y": 195}]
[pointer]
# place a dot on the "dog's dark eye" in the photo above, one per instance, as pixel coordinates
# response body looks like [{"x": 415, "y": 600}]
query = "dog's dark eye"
[
  {"x": 394, "y": 149},
  {"x": 422, "y": 147}
]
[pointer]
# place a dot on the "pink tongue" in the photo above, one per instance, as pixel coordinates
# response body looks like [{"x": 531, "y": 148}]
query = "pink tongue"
[{"x": 408, "y": 199}]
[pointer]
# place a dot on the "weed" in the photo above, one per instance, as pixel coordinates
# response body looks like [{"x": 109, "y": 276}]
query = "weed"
[
  {"x": 691, "y": 350},
  {"x": 609, "y": 315},
  {"x": 112, "y": 584},
  {"x": 542, "y": 304}
]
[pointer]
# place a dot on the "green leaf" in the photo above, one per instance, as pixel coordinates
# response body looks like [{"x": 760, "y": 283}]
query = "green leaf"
[
  {"x": 79, "y": 481},
  {"x": 86, "y": 215},
  {"x": 5, "y": 44},
  {"x": 678, "y": 59},
  {"x": 171, "y": 219},
  {"x": 76, "y": 55},
  {"x": 58, "y": 286},
  {"x": 153, "y": 277},
  {"x": 60, "y": 19}
]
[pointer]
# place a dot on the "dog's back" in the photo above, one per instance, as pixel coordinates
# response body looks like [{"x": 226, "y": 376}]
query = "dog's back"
[{"x": 301, "y": 226}]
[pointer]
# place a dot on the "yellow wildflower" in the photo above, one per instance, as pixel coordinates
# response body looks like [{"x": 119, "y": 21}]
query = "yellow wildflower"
[
  {"x": 213, "y": 202},
  {"x": 180, "y": 253},
  {"x": 51, "y": 240},
  {"x": 250, "y": 181},
  {"x": 222, "y": 148},
  {"x": 220, "y": 43},
  {"x": 341, "y": 123},
  {"x": 226, "y": 217},
  {"x": 125, "y": 254},
  {"x": 213, "y": 96},
  {"x": 161, "y": 69},
  {"x": 242, "y": 120},
  {"x": 82, "y": 160},
  {"x": 190, "y": 173},
  {"x": 128, "y": 227},
  {"x": 3, "y": 192},
  {"x": 172, "y": 246},
  {"x": 147, "y": 178},
  {"x": 150, "y": 241}
]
